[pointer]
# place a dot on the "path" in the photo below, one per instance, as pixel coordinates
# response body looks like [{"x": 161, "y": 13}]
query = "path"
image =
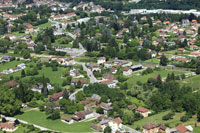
[
  {"x": 25, "y": 122},
  {"x": 130, "y": 130}
]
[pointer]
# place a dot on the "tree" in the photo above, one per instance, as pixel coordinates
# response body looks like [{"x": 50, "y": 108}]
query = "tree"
[
  {"x": 17, "y": 122},
  {"x": 198, "y": 70},
  {"x": 198, "y": 116},
  {"x": 127, "y": 117},
  {"x": 55, "y": 114},
  {"x": 163, "y": 60},
  {"x": 23, "y": 74},
  {"x": 199, "y": 30},
  {"x": 3, "y": 120},
  {"x": 99, "y": 110},
  {"x": 107, "y": 130},
  {"x": 65, "y": 94},
  {"x": 80, "y": 96}
]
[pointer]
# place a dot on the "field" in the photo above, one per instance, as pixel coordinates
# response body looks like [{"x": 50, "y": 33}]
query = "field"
[
  {"x": 143, "y": 78},
  {"x": 157, "y": 119},
  {"x": 40, "y": 118},
  {"x": 48, "y": 24},
  {"x": 54, "y": 76},
  {"x": 193, "y": 82}
]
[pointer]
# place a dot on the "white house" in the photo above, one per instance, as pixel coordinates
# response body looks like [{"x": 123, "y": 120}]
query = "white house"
[
  {"x": 101, "y": 60},
  {"x": 110, "y": 83},
  {"x": 127, "y": 71},
  {"x": 115, "y": 124}
]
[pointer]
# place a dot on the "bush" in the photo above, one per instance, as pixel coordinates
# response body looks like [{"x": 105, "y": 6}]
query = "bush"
[
  {"x": 184, "y": 118},
  {"x": 3, "y": 120},
  {"x": 168, "y": 116}
]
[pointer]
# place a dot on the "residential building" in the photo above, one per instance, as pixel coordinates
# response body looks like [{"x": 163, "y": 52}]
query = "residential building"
[
  {"x": 101, "y": 60},
  {"x": 127, "y": 71},
  {"x": 142, "y": 111},
  {"x": 150, "y": 128},
  {"x": 8, "y": 127}
]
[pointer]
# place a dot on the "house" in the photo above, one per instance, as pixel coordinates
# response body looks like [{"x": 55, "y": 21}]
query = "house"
[
  {"x": 101, "y": 60},
  {"x": 94, "y": 67},
  {"x": 5, "y": 58},
  {"x": 89, "y": 114},
  {"x": 56, "y": 96},
  {"x": 105, "y": 106},
  {"x": 181, "y": 49},
  {"x": 31, "y": 46},
  {"x": 184, "y": 129},
  {"x": 194, "y": 47},
  {"x": 96, "y": 97},
  {"x": 29, "y": 28},
  {"x": 127, "y": 71},
  {"x": 132, "y": 107},
  {"x": 162, "y": 128},
  {"x": 69, "y": 61},
  {"x": 110, "y": 83},
  {"x": 12, "y": 83},
  {"x": 136, "y": 67},
  {"x": 115, "y": 124},
  {"x": 97, "y": 127},
  {"x": 10, "y": 36},
  {"x": 108, "y": 64},
  {"x": 142, "y": 111},
  {"x": 181, "y": 58},
  {"x": 75, "y": 73},
  {"x": 185, "y": 22},
  {"x": 113, "y": 70},
  {"x": 108, "y": 77},
  {"x": 8, "y": 127},
  {"x": 150, "y": 128},
  {"x": 67, "y": 119}
]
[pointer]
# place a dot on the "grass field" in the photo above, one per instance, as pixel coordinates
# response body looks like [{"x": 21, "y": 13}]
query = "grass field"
[
  {"x": 143, "y": 78},
  {"x": 40, "y": 118},
  {"x": 9, "y": 65},
  {"x": 54, "y": 76},
  {"x": 48, "y": 24},
  {"x": 157, "y": 119},
  {"x": 86, "y": 59},
  {"x": 193, "y": 82},
  {"x": 57, "y": 43}
]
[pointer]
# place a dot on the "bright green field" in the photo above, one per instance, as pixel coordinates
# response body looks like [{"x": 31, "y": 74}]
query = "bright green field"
[
  {"x": 54, "y": 76},
  {"x": 193, "y": 82},
  {"x": 48, "y": 24},
  {"x": 157, "y": 119},
  {"x": 40, "y": 118},
  {"x": 9, "y": 65},
  {"x": 143, "y": 78}
]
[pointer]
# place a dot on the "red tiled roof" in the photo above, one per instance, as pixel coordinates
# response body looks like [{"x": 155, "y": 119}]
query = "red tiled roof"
[
  {"x": 141, "y": 109},
  {"x": 181, "y": 128},
  {"x": 9, "y": 125},
  {"x": 11, "y": 83},
  {"x": 56, "y": 95},
  {"x": 117, "y": 120}
]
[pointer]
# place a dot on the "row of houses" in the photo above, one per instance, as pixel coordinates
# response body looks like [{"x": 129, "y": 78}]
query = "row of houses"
[
  {"x": 155, "y": 128},
  {"x": 15, "y": 69}
]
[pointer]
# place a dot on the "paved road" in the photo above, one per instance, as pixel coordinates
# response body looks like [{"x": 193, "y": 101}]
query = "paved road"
[
  {"x": 73, "y": 95},
  {"x": 130, "y": 130}
]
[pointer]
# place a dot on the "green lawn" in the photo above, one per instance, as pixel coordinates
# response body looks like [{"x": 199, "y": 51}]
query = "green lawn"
[
  {"x": 40, "y": 118},
  {"x": 193, "y": 82},
  {"x": 54, "y": 76},
  {"x": 196, "y": 130},
  {"x": 143, "y": 78},
  {"x": 85, "y": 59},
  {"x": 9, "y": 65},
  {"x": 57, "y": 43},
  {"x": 157, "y": 119},
  {"x": 48, "y": 24}
]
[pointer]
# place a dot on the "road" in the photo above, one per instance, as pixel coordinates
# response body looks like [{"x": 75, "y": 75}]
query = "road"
[
  {"x": 25, "y": 122},
  {"x": 130, "y": 130}
]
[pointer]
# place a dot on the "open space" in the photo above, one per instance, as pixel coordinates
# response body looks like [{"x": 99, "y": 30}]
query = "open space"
[
  {"x": 157, "y": 119},
  {"x": 143, "y": 78},
  {"x": 39, "y": 118}
]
